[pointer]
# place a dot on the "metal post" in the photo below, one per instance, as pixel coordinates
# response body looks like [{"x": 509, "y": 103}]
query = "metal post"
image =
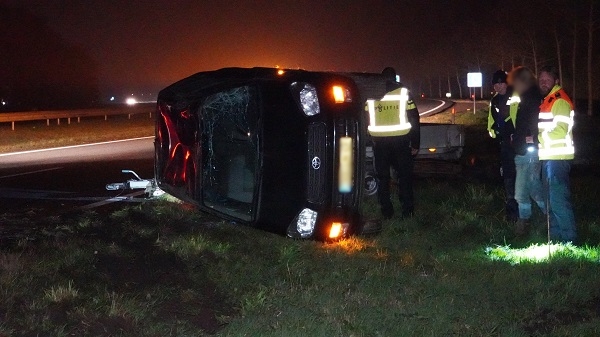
[
  {"x": 474, "y": 94},
  {"x": 78, "y": 119},
  {"x": 547, "y": 188},
  {"x": 69, "y": 120},
  {"x": 128, "y": 116},
  {"x": 105, "y": 117},
  {"x": 58, "y": 121},
  {"x": 47, "y": 122},
  {"x": 13, "y": 126}
]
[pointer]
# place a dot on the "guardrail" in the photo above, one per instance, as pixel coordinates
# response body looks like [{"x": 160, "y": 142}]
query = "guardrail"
[{"x": 12, "y": 117}]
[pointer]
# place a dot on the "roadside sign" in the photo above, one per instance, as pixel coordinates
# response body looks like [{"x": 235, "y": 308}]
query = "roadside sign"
[{"x": 474, "y": 80}]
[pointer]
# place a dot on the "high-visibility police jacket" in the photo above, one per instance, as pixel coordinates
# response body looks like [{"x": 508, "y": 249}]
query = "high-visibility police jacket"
[
  {"x": 493, "y": 124},
  {"x": 556, "y": 126},
  {"x": 388, "y": 117}
]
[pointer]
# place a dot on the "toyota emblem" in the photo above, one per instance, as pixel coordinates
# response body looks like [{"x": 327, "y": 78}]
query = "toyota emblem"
[{"x": 316, "y": 163}]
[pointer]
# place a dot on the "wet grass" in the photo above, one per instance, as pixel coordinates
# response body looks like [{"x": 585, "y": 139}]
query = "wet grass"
[{"x": 164, "y": 269}]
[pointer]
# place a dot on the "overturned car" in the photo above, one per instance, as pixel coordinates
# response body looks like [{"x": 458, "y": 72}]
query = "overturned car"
[{"x": 280, "y": 150}]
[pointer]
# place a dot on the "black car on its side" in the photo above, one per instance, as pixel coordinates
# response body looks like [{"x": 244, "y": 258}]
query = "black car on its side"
[{"x": 280, "y": 150}]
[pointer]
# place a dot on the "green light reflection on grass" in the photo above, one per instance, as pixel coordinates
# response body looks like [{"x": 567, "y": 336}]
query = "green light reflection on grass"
[{"x": 538, "y": 253}]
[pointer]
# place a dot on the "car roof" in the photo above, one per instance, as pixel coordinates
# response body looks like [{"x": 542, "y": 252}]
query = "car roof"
[{"x": 371, "y": 85}]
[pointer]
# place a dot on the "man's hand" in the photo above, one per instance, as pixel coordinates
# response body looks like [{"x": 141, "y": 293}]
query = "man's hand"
[{"x": 414, "y": 151}]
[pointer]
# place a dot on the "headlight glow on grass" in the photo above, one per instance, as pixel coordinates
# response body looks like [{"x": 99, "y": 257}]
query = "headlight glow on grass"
[{"x": 538, "y": 253}]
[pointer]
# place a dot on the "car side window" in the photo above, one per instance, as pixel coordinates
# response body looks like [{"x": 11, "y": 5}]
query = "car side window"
[{"x": 229, "y": 125}]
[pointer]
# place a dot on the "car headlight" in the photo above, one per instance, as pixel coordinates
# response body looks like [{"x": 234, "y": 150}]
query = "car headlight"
[
  {"x": 308, "y": 98},
  {"x": 304, "y": 224}
]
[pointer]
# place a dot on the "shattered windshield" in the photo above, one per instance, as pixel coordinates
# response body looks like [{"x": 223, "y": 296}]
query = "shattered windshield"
[{"x": 230, "y": 151}]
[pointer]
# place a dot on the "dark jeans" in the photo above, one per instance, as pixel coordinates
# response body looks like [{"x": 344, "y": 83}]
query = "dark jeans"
[
  {"x": 509, "y": 174},
  {"x": 394, "y": 152},
  {"x": 555, "y": 175}
]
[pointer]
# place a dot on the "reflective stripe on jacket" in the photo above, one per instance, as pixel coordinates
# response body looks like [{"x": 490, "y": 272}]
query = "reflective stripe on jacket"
[
  {"x": 388, "y": 117},
  {"x": 555, "y": 125},
  {"x": 513, "y": 102}
]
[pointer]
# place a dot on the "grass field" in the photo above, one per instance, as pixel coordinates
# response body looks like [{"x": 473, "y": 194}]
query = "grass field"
[{"x": 162, "y": 268}]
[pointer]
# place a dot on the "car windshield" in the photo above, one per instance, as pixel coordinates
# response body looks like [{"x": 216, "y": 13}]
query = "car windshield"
[{"x": 229, "y": 127}]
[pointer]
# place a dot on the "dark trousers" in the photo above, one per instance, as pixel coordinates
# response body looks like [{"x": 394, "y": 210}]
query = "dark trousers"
[
  {"x": 509, "y": 174},
  {"x": 394, "y": 152}
]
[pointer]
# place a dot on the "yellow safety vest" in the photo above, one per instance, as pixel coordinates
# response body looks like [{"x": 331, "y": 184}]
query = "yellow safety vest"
[
  {"x": 555, "y": 125},
  {"x": 387, "y": 117},
  {"x": 513, "y": 102}
]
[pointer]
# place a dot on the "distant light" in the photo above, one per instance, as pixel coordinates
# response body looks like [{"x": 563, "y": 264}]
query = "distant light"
[
  {"x": 3, "y": 102},
  {"x": 422, "y": 95},
  {"x": 280, "y": 72},
  {"x": 397, "y": 78},
  {"x": 131, "y": 101},
  {"x": 112, "y": 98},
  {"x": 530, "y": 149},
  {"x": 432, "y": 149},
  {"x": 448, "y": 95}
]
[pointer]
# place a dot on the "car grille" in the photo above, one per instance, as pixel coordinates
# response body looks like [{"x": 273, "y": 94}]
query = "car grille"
[
  {"x": 317, "y": 163},
  {"x": 345, "y": 128}
]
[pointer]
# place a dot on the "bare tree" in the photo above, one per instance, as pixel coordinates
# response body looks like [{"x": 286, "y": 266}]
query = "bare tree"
[
  {"x": 449, "y": 86},
  {"x": 480, "y": 88},
  {"x": 430, "y": 87},
  {"x": 534, "y": 54},
  {"x": 591, "y": 28},
  {"x": 574, "y": 60},
  {"x": 558, "y": 55},
  {"x": 460, "y": 93}
]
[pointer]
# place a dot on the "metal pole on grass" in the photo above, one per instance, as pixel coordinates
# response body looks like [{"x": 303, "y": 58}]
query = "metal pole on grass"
[{"x": 547, "y": 188}]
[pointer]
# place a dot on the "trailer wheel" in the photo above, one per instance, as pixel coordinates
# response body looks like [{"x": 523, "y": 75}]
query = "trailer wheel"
[{"x": 371, "y": 184}]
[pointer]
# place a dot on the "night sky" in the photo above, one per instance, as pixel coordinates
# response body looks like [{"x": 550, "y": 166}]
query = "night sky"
[{"x": 145, "y": 45}]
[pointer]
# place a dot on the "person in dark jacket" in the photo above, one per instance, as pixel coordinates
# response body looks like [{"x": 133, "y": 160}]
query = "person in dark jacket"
[
  {"x": 501, "y": 126},
  {"x": 528, "y": 184}
]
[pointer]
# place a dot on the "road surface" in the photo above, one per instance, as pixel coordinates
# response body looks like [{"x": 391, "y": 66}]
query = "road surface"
[
  {"x": 431, "y": 106},
  {"x": 72, "y": 175}
]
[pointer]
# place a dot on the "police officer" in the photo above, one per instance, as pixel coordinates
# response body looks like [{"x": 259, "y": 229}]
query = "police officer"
[
  {"x": 501, "y": 126},
  {"x": 395, "y": 128}
]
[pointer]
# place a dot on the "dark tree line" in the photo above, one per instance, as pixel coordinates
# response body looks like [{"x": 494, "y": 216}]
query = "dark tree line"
[
  {"x": 510, "y": 33},
  {"x": 39, "y": 69}
]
